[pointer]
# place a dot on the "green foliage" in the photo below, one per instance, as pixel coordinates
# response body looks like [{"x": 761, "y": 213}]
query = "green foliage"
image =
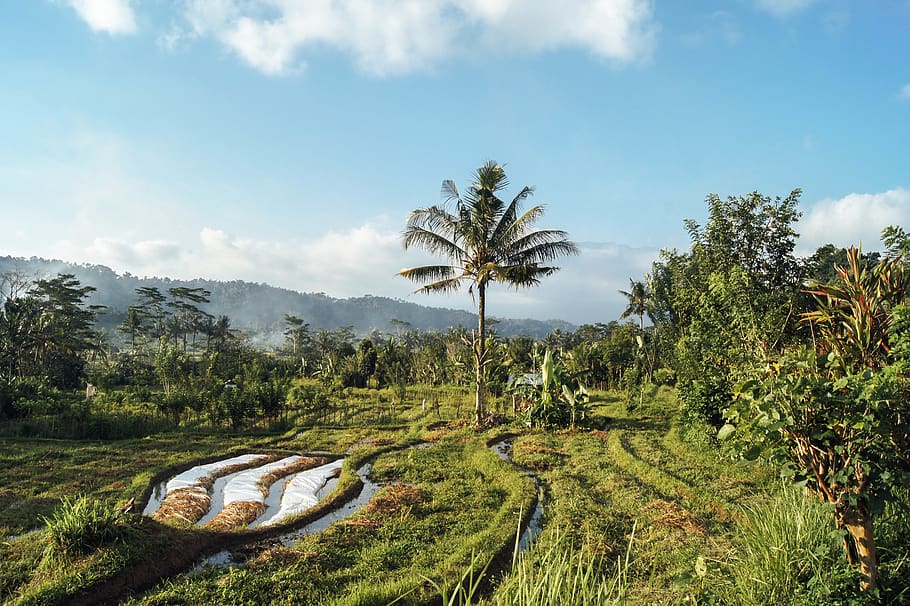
[
  {"x": 46, "y": 333},
  {"x": 565, "y": 573},
  {"x": 664, "y": 376},
  {"x": 729, "y": 302},
  {"x": 834, "y": 432},
  {"x": 853, "y": 314},
  {"x": 82, "y": 524},
  {"x": 837, "y": 420},
  {"x": 896, "y": 241},
  {"x": 555, "y": 397}
]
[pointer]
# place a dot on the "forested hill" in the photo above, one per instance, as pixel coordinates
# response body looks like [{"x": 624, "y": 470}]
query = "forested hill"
[{"x": 259, "y": 309}]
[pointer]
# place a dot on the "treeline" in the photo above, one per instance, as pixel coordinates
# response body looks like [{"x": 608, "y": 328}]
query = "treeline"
[
  {"x": 258, "y": 309},
  {"x": 194, "y": 367}
]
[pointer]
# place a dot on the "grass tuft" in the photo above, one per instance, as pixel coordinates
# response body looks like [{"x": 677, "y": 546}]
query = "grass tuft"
[{"x": 82, "y": 524}]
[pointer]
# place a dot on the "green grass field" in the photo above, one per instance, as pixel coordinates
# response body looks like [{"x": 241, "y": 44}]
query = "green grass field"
[{"x": 632, "y": 514}]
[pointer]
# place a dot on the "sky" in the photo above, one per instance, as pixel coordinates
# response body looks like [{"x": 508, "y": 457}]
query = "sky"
[{"x": 286, "y": 141}]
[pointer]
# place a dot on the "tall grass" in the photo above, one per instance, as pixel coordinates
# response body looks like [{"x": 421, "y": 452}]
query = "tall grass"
[
  {"x": 566, "y": 574},
  {"x": 82, "y": 524},
  {"x": 789, "y": 552},
  {"x": 560, "y": 573}
]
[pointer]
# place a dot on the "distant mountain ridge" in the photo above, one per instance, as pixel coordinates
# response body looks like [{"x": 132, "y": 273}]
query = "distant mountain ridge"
[{"x": 259, "y": 309}]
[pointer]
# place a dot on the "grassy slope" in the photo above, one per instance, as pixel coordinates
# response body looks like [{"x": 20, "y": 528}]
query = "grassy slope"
[{"x": 633, "y": 471}]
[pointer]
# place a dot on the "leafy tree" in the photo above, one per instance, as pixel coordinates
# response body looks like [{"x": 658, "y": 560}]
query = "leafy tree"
[
  {"x": 366, "y": 360},
  {"x": 151, "y": 306},
  {"x": 836, "y": 416},
  {"x": 297, "y": 333},
  {"x": 188, "y": 317},
  {"x": 486, "y": 240},
  {"x": 897, "y": 242},
  {"x": 132, "y": 324},
  {"x": 732, "y": 300},
  {"x": 48, "y": 332}
]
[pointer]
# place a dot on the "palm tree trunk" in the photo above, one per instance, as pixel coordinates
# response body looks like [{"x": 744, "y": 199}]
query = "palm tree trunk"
[{"x": 479, "y": 355}]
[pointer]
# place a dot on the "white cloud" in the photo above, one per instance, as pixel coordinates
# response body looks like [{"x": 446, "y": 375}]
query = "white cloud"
[
  {"x": 366, "y": 260},
  {"x": 111, "y": 16},
  {"x": 854, "y": 219},
  {"x": 905, "y": 92},
  {"x": 397, "y": 36},
  {"x": 784, "y": 8}
]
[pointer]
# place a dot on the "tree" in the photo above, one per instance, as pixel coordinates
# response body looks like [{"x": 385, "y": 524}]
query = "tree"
[
  {"x": 639, "y": 302},
  {"x": 486, "y": 240},
  {"x": 731, "y": 302},
  {"x": 835, "y": 415},
  {"x": 297, "y": 333},
  {"x": 897, "y": 242},
  {"x": 188, "y": 316},
  {"x": 132, "y": 324}
]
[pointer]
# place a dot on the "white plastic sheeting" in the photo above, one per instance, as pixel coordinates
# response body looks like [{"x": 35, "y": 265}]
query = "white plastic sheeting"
[
  {"x": 192, "y": 478},
  {"x": 300, "y": 492},
  {"x": 245, "y": 485}
]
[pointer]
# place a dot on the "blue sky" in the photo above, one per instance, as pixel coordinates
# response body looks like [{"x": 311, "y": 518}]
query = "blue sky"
[{"x": 285, "y": 141}]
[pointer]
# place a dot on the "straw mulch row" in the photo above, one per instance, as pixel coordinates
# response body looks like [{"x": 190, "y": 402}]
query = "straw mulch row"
[
  {"x": 241, "y": 513},
  {"x": 391, "y": 501},
  {"x": 189, "y": 505}
]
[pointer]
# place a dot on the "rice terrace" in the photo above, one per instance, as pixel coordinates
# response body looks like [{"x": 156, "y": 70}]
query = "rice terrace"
[{"x": 251, "y": 351}]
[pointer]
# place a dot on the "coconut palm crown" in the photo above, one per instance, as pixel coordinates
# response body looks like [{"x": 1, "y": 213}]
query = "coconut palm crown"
[
  {"x": 640, "y": 303},
  {"x": 485, "y": 240}
]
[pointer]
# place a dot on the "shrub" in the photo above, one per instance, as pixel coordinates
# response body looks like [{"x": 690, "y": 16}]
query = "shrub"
[{"x": 664, "y": 376}]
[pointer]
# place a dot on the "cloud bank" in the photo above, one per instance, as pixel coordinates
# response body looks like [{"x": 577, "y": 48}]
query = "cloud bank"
[
  {"x": 366, "y": 260},
  {"x": 853, "y": 220},
  {"x": 110, "y": 16},
  {"x": 399, "y": 36}
]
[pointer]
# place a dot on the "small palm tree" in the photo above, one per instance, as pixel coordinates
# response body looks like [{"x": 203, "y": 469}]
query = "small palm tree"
[
  {"x": 486, "y": 240},
  {"x": 639, "y": 297}
]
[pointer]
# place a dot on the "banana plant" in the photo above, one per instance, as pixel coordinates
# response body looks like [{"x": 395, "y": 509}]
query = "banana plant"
[{"x": 558, "y": 398}]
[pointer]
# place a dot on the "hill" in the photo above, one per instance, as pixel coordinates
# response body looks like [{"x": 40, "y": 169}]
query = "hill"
[{"x": 259, "y": 309}]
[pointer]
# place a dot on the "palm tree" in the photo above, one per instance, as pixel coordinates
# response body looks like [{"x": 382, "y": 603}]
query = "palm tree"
[
  {"x": 486, "y": 240},
  {"x": 639, "y": 297}
]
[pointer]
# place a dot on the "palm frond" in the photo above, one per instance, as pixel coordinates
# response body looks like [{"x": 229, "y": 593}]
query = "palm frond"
[
  {"x": 435, "y": 219},
  {"x": 509, "y": 221},
  {"x": 449, "y": 191},
  {"x": 429, "y": 272},
  {"x": 443, "y": 286},
  {"x": 490, "y": 177},
  {"x": 543, "y": 248},
  {"x": 523, "y": 224},
  {"x": 432, "y": 242},
  {"x": 523, "y": 275}
]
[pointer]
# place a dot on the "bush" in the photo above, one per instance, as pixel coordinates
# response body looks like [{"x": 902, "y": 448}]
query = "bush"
[
  {"x": 664, "y": 376},
  {"x": 82, "y": 524}
]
